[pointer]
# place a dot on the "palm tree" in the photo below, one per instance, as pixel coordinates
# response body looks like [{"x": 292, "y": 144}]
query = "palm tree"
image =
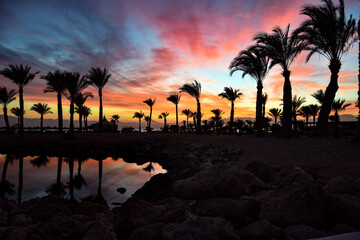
[
  {"x": 295, "y": 105},
  {"x": 98, "y": 78},
  {"x": 282, "y": 49},
  {"x": 338, "y": 105},
  {"x": 147, "y": 120},
  {"x": 58, "y": 188},
  {"x": 275, "y": 112},
  {"x": 5, "y": 186},
  {"x": 328, "y": 33},
  {"x": 70, "y": 161},
  {"x": 21, "y": 76},
  {"x": 79, "y": 180},
  {"x": 6, "y": 97},
  {"x": 254, "y": 62},
  {"x": 115, "y": 119},
  {"x": 139, "y": 115},
  {"x": 150, "y": 102},
  {"x": 163, "y": 115},
  {"x": 194, "y": 90},
  {"x": 231, "y": 94},
  {"x": 16, "y": 111},
  {"x": 175, "y": 99},
  {"x": 80, "y": 99},
  {"x": 314, "y": 111},
  {"x": 74, "y": 83},
  {"x": 55, "y": 83},
  {"x": 217, "y": 117},
  {"x": 187, "y": 113},
  {"x": 20, "y": 182},
  {"x": 42, "y": 109},
  {"x": 86, "y": 112},
  {"x": 305, "y": 112},
  {"x": 319, "y": 95}
]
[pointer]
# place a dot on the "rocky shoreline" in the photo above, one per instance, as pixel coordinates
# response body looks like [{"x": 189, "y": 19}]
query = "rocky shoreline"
[{"x": 207, "y": 193}]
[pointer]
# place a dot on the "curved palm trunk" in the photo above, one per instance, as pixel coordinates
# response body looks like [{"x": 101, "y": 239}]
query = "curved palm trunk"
[
  {"x": 21, "y": 99},
  {"x": 60, "y": 114},
  {"x": 150, "y": 119},
  {"x": 100, "y": 111},
  {"x": 41, "y": 122},
  {"x": 198, "y": 117},
  {"x": 259, "y": 119},
  {"x": 20, "y": 187},
  {"x": 80, "y": 122},
  {"x": 100, "y": 177},
  {"x": 164, "y": 124},
  {"x": 232, "y": 118},
  {"x": 139, "y": 125},
  {"x": 58, "y": 174},
  {"x": 6, "y": 118},
  {"x": 322, "y": 126},
  {"x": 71, "y": 129},
  {"x": 286, "y": 132},
  {"x": 71, "y": 182}
]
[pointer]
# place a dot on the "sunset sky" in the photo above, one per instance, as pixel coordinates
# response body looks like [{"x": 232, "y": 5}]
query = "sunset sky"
[{"x": 153, "y": 47}]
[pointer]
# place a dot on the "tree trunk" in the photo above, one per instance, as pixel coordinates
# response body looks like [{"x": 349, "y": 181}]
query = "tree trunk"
[
  {"x": 259, "y": 119},
  {"x": 60, "y": 114},
  {"x": 198, "y": 117},
  {"x": 71, "y": 129},
  {"x": 80, "y": 121},
  {"x": 41, "y": 123},
  {"x": 20, "y": 187},
  {"x": 6, "y": 118},
  {"x": 322, "y": 126},
  {"x": 232, "y": 118},
  {"x": 100, "y": 111},
  {"x": 286, "y": 132},
  {"x": 6, "y": 163},
  {"x": 21, "y": 99},
  {"x": 150, "y": 119},
  {"x": 177, "y": 118},
  {"x": 164, "y": 124},
  {"x": 275, "y": 119},
  {"x": 314, "y": 119},
  {"x": 85, "y": 123},
  {"x": 18, "y": 123},
  {"x": 71, "y": 182},
  {"x": 139, "y": 125},
  {"x": 58, "y": 175},
  {"x": 100, "y": 177}
]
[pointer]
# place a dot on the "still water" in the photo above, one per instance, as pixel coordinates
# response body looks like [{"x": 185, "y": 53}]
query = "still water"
[{"x": 31, "y": 177}]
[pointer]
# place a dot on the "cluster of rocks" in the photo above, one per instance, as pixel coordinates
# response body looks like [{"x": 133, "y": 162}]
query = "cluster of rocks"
[{"x": 206, "y": 194}]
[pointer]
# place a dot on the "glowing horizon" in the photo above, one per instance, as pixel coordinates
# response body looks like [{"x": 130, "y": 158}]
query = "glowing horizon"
[{"x": 152, "y": 49}]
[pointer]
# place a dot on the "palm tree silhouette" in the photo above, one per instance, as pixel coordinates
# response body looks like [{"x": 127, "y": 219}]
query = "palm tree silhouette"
[
  {"x": 314, "y": 111},
  {"x": 217, "y": 117},
  {"x": 99, "y": 197},
  {"x": 338, "y": 105},
  {"x": 319, "y": 95},
  {"x": 296, "y": 102},
  {"x": 86, "y": 112},
  {"x": 6, "y": 97},
  {"x": 163, "y": 115},
  {"x": 305, "y": 112},
  {"x": 175, "y": 99},
  {"x": 70, "y": 184},
  {"x": 139, "y": 115},
  {"x": 254, "y": 62},
  {"x": 58, "y": 188},
  {"x": 5, "y": 186},
  {"x": 275, "y": 112},
  {"x": 194, "y": 90},
  {"x": 79, "y": 180},
  {"x": 80, "y": 99},
  {"x": 115, "y": 119},
  {"x": 74, "y": 83},
  {"x": 150, "y": 102},
  {"x": 42, "y": 109},
  {"x": 187, "y": 113},
  {"x": 147, "y": 120},
  {"x": 16, "y": 111},
  {"x": 328, "y": 33},
  {"x": 20, "y": 186},
  {"x": 282, "y": 49},
  {"x": 55, "y": 83},
  {"x": 21, "y": 76},
  {"x": 98, "y": 78},
  {"x": 40, "y": 161},
  {"x": 231, "y": 94}
]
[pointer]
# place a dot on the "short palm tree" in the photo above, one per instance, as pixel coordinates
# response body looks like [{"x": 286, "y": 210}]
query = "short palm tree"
[
  {"x": 21, "y": 76},
  {"x": 319, "y": 95},
  {"x": 79, "y": 180},
  {"x": 175, "y": 99},
  {"x": 55, "y": 83},
  {"x": 254, "y": 62},
  {"x": 231, "y": 94},
  {"x": 115, "y": 119},
  {"x": 296, "y": 103},
  {"x": 187, "y": 113},
  {"x": 150, "y": 102},
  {"x": 163, "y": 115},
  {"x": 194, "y": 90},
  {"x": 42, "y": 109},
  {"x": 329, "y": 33},
  {"x": 86, "y": 112},
  {"x": 74, "y": 83},
  {"x": 314, "y": 111},
  {"x": 147, "y": 120},
  {"x": 276, "y": 113},
  {"x": 338, "y": 105},
  {"x": 305, "y": 112},
  {"x": 217, "y": 117},
  {"x": 16, "y": 111},
  {"x": 6, "y": 97},
  {"x": 80, "y": 99},
  {"x": 98, "y": 78},
  {"x": 282, "y": 49},
  {"x": 139, "y": 115}
]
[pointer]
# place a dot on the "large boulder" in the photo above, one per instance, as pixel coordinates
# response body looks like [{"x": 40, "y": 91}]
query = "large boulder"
[
  {"x": 61, "y": 227},
  {"x": 343, "y": 185},
  {"x": 218, "y": 181},
  {"x": 260, "y": 230},
  {"x": 173, "y": 210},
  {"x": 297, "y": 200},
  {"x": 262, "y": 170},
  {"x": 344, "y": 209},
  {"x": 302, "y": 232},
  {"x": 100, "y": 230}
]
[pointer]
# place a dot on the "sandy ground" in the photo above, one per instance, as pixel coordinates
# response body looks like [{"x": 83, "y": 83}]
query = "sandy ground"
[{"x": 326, "y": 157}]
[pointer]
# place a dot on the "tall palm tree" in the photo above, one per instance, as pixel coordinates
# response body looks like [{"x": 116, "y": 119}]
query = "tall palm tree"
[
  {"x": 42, "y": 109},
  {"x": 231, "y": 94},
  {"x": 319, "y": 95},
  {"x": 314, "y": 111},
  {"x": 6, "y": 97},
  {"x": 21, "y": 76},
  {"x": 139, "y": 115},
  {"x": 254, "y": 62},
  {"x": 275, "y": 112},
  {"x": 194, "y": 90},
  {"x": 150, "y": 102},
  {"x": 296, "y": 103},
  {"x": 282, "y": 49},
  {"x": 305, "y": 112},
  {"x": 115, "y": 119},
  {"x": 175, "y": 99},
  {"x": 80, "y": 99},
  {"x": 86, "y": 112},
  {"x": 217, "y": 117},
  {"x": 329, "y": 33},
  {"x": 74, "y": 83},
  {"x": 187, "y": 113},
  {"x": 55, "y": 83},
  {"x": 163, "y": 115},
  {"x": 338, "y": 105},
  {"x": 16, "y": 111},
  {"x": 98, "y": 78}
]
